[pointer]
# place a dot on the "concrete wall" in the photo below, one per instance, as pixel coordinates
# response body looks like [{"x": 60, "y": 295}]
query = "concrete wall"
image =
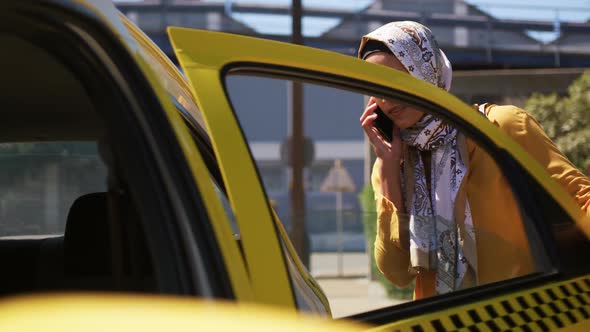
[{"x": 511, "y": 86}]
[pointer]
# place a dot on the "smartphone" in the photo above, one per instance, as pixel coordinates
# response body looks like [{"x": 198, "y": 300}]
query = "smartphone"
[{"x": 383, "y": 124}]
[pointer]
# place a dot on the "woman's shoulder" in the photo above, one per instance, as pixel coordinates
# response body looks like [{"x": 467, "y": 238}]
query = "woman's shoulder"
[{"x": 510, "y": 118}]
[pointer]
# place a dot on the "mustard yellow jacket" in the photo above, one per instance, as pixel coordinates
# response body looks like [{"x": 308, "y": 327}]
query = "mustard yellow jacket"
[{"x": 501, "y": 244}]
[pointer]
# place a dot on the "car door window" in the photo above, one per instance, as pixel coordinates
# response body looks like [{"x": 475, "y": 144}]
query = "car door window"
[
  {"x": 340, "y": 220},
  {"x": 69, "y": 218},
  {"x": 39, "y": 182}
]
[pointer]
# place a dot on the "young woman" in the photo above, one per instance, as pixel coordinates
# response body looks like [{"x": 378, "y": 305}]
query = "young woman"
[{"x": 445, "y": 214}]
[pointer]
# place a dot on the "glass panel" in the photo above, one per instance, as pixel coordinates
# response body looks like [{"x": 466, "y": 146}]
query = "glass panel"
[
  {"x": 342, "y": 222},
  {"x": 200, "y": 136},
  {"x": 39, "y": 182},
  {"x": 227, "y": 208}
]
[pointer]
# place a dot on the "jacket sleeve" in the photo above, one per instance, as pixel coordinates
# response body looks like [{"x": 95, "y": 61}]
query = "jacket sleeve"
[
  {"x": 391, "y": 256},
  {"x": 521, "y": 126}
]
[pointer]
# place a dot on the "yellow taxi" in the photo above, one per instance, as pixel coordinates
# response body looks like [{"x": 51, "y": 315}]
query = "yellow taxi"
[{"x": 122, "y": 175}]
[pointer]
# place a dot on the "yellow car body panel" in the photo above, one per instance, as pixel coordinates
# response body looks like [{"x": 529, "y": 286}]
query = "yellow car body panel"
[
  {"x": 217, "y": 53},
  {"x": 266, "y": 265},
  {"x": 561, "y": 306},
  {"x": 235, "y": 264},
  {"x": 113, "y": 313},
  {"x": 230, "y": 251}
]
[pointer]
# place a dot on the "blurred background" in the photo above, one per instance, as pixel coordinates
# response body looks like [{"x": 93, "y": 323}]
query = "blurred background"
[{"x": 531, "y": 54}]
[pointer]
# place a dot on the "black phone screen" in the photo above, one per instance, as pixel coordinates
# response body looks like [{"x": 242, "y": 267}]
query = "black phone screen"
[{"x": 383, "y": 124}]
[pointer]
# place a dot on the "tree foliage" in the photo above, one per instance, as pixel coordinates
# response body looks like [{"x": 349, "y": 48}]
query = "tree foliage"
[{"x": 566, "y": 119}]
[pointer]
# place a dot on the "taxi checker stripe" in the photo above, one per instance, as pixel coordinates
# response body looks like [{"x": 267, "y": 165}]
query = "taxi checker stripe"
[{"x": 545, "y": 309}]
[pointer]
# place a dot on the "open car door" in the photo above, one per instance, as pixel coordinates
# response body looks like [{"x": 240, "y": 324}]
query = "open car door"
[{"x": 554, "y": 295}]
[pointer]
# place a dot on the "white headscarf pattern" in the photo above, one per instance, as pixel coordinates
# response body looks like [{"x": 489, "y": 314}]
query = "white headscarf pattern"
[{"x": 415, "y": 47}]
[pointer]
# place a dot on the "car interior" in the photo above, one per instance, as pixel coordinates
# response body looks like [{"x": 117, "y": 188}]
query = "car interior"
[{"x": 67, "y": 220}]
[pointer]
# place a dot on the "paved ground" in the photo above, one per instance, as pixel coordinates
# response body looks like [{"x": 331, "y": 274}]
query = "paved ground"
[
  {"x": 352, "y": 296},
  {"x": 345, "y": 281}
]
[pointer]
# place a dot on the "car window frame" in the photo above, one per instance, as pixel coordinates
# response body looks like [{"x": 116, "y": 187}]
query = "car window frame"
[
  {"x": 260, "y": 239},
  {"x": 173, "y": 88},
  {"x": 406, "y": 310}
]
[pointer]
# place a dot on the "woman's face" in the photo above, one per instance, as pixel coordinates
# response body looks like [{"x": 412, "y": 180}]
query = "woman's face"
[{"x": 403, "y": 116}]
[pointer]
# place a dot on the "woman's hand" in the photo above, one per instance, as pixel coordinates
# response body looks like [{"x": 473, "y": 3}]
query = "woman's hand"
[
  {"x": 389, "y": 155},
  {"x": 389, "y": 152}
]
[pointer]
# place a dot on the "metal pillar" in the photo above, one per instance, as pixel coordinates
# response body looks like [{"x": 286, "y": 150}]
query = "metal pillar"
[{"x": 297, "y": 194}]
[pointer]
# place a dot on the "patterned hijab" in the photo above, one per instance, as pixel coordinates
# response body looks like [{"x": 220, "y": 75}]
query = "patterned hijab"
[
  {"x": 416, "y": 48},
  {"x": 442, "y": 238}
]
